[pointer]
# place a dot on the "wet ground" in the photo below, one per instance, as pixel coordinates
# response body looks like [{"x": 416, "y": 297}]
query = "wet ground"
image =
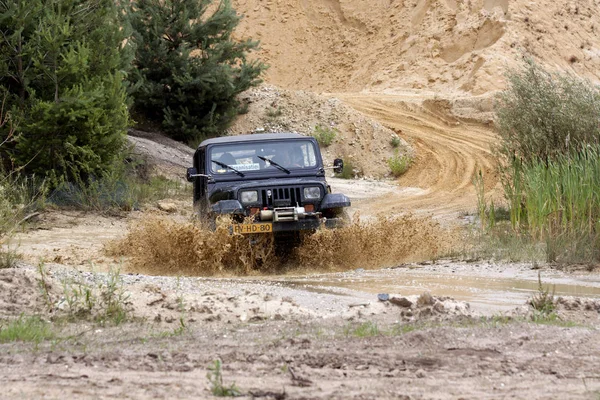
[{"x": 488, "y": 287}]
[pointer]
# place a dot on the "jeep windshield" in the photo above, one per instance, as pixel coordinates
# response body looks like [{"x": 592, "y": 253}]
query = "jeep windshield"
[{"x": 282, "y": 157}]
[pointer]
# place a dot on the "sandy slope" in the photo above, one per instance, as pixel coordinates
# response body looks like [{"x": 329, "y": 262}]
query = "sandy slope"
[{"x": 446, "y": 46}]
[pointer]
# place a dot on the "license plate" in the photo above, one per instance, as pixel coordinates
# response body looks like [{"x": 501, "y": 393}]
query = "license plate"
[{"x": 245, "y": 229}]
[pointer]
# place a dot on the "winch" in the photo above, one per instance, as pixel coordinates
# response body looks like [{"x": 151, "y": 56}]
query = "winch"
[{"x": 285, "y": 214}]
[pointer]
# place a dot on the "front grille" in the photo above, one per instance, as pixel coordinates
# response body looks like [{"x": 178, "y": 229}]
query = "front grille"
[{"x": 281, "y": 197}]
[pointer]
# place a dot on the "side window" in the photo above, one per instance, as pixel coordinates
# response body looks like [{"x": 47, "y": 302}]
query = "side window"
[{"x": 310, "y": 159}]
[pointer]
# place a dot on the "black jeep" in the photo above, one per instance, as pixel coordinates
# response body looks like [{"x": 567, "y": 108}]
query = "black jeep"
[{"x": 276, "y": 178}]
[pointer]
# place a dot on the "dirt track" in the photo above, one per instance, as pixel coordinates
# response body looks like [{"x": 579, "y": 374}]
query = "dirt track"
[{"x": 449, "y": 154}]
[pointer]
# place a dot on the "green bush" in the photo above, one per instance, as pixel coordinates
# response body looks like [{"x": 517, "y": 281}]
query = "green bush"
[
  {"x": 325, "y": 136},
  {"x": 217, "y": 387},
  {"x": 25, "y": 329},
  {"x": 542, "y": 115},
  {"x": 20, "y": 198},
  {"x": 399, "y": 164},
  {"x": 274, "y": 113},
  {"x": 395, "y": 141},
  {"x": 559, "y": 202},
  {"x": 8, "y": 256}
]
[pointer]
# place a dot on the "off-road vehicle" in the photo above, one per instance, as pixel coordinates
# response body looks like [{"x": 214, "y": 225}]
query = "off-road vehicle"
[{"x": 277, "y": 179}]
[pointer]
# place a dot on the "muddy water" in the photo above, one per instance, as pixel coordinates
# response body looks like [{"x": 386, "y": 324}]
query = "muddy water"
[{"x": 485, "y": 290}]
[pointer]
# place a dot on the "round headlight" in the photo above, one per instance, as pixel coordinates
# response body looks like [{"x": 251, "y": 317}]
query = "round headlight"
[
  {"x": 312, "y": 193},
  {"x": 250, "y": 196}
]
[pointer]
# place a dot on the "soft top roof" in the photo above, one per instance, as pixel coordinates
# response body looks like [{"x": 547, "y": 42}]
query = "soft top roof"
[{"x": 251, "y": 137}]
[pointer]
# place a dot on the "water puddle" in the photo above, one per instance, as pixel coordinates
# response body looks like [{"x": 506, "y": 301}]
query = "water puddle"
[{"x": 483, "y": 292}]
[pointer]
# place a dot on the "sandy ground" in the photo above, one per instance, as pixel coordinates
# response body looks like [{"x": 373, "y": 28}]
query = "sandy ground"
[{"x": 279, "y": 342}]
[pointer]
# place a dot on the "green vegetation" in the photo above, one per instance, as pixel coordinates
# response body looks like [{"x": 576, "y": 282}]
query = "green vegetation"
[
  {"x": 324, "y": 135},
  {"x": 399, "y": 164},
  {"x": 215, "y": 377},
  {"x": 8, "y": 256},
  {"x": 274, "y": 113},
  {"x": 558, "y": 202},
  {"x": 395, "y": 141},
  {"x": 119, "y": 189},
  {"x": 188, "y": 69},
  {"x": 543, "y": 302},
  {"x": 20, "y": 198},
  {"x": 63, "y": 64},
  {"x": 104, "y": 303},
  {"x": 113, "y": 299},
  {"x": 25, "y": 329},
  {"x": 543, "y": 115},
  {"x": 549, "y": 126},
  {"x": 366, "y": 329},
  {"x": 20, "y": 195}
]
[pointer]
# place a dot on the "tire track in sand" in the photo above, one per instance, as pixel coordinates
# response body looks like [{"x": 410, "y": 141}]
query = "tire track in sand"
[{"x": 449, "y": 154}]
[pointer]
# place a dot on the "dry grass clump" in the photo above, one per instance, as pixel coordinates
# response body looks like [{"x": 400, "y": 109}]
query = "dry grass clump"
[
  {"x": 380, "y": 243},
  {"x": 160, "y": 246}
]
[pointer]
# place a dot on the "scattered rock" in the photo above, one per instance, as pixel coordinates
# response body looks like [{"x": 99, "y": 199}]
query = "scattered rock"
[{"x": 401, "y": 301}]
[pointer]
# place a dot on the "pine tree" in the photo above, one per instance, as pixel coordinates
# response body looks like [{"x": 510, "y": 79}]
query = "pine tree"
[
  {"x": 188, "y": 69},
  {"x": 63, "y": 65}
]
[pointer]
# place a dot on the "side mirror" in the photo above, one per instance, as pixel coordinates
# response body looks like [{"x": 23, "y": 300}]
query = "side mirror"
[
  {"x": 191, "y": 174},
  {"x": 338, "y": 165}
]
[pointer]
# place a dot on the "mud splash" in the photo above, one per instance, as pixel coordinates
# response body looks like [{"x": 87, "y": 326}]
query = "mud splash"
[
  {"x": 383, "y": 242},
  {"x": 164, "y": 247},
  {"x": 161, "y": 246}
]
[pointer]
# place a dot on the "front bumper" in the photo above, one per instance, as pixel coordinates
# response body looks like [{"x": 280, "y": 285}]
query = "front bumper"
[{"x": 307, "y": 224}]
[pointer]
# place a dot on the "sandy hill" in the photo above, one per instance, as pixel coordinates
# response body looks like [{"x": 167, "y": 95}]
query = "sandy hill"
[{"x": 445, "y": 46}]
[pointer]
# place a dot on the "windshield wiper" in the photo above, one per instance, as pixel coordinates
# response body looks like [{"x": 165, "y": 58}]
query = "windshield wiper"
[
  {"x": 281, "y": 167},
  {"x": 229, "y": 167}
]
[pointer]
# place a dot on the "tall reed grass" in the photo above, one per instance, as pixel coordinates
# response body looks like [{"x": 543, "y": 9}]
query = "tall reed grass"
[{"x": 558, "y": 201}]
